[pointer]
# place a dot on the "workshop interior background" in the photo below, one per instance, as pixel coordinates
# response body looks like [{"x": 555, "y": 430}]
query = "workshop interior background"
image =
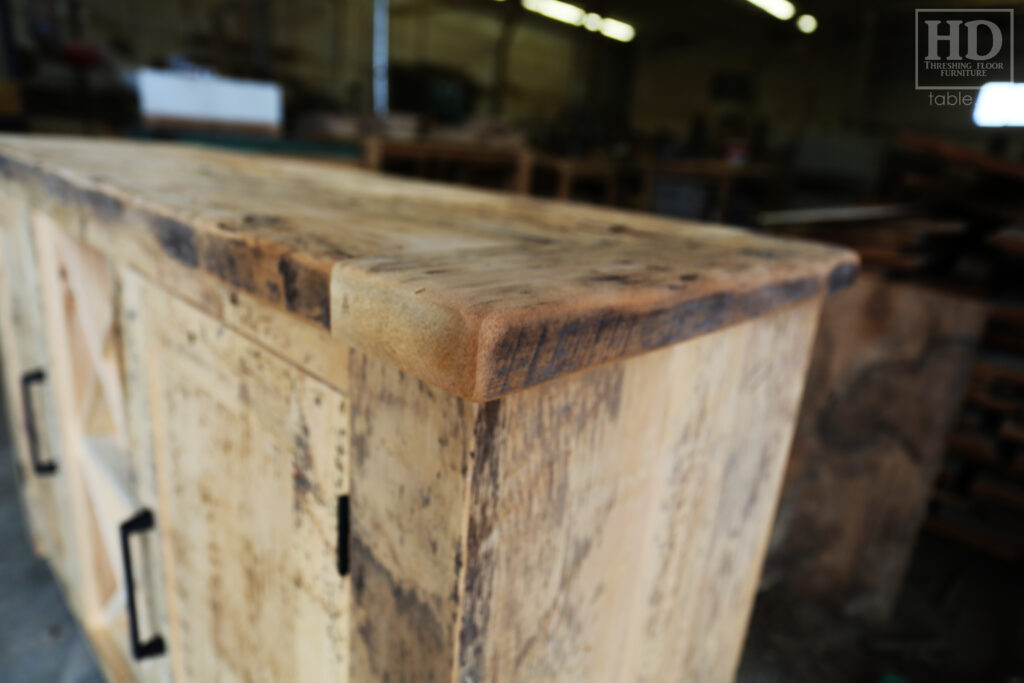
[{"x": 898, "y": 551}]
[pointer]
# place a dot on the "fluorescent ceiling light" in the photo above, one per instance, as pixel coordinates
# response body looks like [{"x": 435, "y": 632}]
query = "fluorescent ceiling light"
[
  {"x": 617, "y": 30},
  {"x": 780, "y": 9},
  {"x": 556, "y": 9},
  {"x": 1000, "y": 104},
  {"x": 577, "y": 16},
  {"x": 807, "y": 23}
]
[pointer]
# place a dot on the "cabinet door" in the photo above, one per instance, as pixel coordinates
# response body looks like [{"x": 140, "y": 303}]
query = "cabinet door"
[
  {"x": 81, "y": 307},
  {"x": 28, "y": 385},
  {"x": 251, "y": 466}
]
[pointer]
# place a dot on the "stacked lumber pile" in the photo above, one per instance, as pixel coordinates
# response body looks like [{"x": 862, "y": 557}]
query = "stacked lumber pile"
[
  {"x": 902, "y": 240},
  {"x": 958, "y": 227},
  {"x": 979, "y": 496},
  {"x": 912, "y": 418}
]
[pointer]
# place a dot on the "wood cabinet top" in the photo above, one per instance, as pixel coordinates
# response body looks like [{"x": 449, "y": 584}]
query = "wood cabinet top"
[{"x": 476, "y": 292}]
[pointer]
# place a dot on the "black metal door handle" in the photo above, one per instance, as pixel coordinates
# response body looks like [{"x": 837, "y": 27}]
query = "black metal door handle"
[
  {"x": 142, "y": 521},
  {"x": 27, "y": 380}
]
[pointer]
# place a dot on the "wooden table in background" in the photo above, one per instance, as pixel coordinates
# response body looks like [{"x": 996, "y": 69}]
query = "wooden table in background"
[
  {"x": 569, "y": 170},
  {"x": 517, "y": 159},
  {"x": 721, "y": 173}
]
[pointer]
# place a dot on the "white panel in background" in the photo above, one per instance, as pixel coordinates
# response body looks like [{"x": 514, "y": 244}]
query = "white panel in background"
[
  {"x": 201, "y": 97},
  {"x": 1000, "y": 104}
]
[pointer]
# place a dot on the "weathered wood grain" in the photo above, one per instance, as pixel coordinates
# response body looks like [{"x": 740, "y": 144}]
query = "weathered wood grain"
[
  {"x": 410, "y": 466},
  {"x": 23, "y": 343},
  {"x": 478, "y": 293},
  {"x": 243, "y": 345},
  {"x": 81, "y": 301},
  {"x": 618, "y": 518},
  {"x": 606, "y": 526},
  {"x": 889, "y": 370},
  {"x": 251, "y": 458}
]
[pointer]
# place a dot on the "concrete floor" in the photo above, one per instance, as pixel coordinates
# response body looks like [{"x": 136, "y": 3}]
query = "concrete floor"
[{"x": 39, "y": 640}]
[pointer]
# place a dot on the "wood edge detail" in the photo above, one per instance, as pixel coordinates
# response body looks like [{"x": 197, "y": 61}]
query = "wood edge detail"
[{"x": 477, "y": 356}]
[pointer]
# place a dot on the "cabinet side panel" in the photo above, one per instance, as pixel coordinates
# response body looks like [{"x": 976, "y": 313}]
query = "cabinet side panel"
[
  {"x": 410, "y": 456},
  {"x": 619, "y": 517}
]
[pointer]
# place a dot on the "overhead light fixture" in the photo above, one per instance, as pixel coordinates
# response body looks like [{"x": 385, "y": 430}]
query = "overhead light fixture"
[
  {"x": 577, "y": 16},
  {"x": 617, "y": 30},
  {"x": 807, "y": 23},
  {"x": 1000, "y": 104},
  {"x": 780, "y": 9},
  {"x": 557, "y": 10}
]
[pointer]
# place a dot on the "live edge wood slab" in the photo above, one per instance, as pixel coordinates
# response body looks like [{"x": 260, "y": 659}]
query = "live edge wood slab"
[{"x": 385, "y": 430}]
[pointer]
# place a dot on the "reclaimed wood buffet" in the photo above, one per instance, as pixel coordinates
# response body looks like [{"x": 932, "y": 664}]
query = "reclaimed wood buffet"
[{"x": 281, "y": 421}]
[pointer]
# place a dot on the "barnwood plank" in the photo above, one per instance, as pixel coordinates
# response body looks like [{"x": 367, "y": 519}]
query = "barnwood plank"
[
  {"x": 618, "y": 519},
  {"x": 411, "y": 460},
  {"x": 481, "y": 294},
  {"x": 608, "y": 526}
]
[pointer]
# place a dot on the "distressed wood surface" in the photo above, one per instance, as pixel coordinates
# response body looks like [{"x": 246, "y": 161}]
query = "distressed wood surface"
[
  {"x": 618, "y": 519},
  {"x": 81, "y": 304},
  {"x": 251, "y": 456},
  {"x": 889, "y": 370},
  {"x": 239, "y": 342},
  {"x": 23, "y": 342},
  {"x": 480, "y": 294},
  {"x": 411, "y": 460},
  {"x": 608, "y": 526}
]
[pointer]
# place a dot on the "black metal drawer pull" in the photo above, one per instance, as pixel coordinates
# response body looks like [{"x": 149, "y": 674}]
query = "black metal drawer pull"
[
  {"x": 27, "y": 380},
  {"x": 143, "y": 521},
  {"x": 343, "y": 535}
]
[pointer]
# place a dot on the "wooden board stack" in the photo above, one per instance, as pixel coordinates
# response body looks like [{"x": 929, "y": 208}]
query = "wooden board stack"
[
  {"x": 890, "y": 365},
  {"x": 979, "y": 498},
  {"x": 914, "y": 400},
  {"x": 283, "y": 422},
  {"x": 980, "y": 495}
]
